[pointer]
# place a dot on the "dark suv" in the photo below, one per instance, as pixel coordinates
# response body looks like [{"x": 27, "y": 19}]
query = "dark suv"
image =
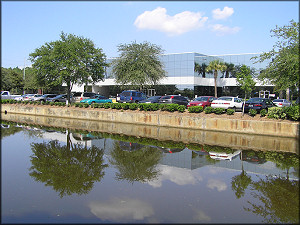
[
  {"x": 175, "y": 99},
  {"x": 131, "y": 96}
]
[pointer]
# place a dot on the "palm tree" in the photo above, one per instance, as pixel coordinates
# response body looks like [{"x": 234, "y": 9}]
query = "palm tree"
[
  {"x": 229, "y": 70},
  {"x": 201, "y": 69},
  {"x": 215, "y": 66}
]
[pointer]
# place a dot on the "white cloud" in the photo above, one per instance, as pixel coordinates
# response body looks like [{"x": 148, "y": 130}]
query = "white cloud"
[
  {"x": 223, "y": 30},
  {"x": 220, "y": 185},
  {"x": 201, "y": 216},
  {"x": 219, "y": 14},
  {"x": 124, "y": 210},
  {"x": 179, "y": 176},
  {"x": 158, "y": 19}
]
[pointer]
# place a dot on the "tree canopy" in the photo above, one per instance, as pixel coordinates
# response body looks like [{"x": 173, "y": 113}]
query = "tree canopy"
[
  {"x": 283, "y": 69},
  {"x": 138, "y": 64},
  {"x": 215, "y": 66},
  {"x": 70, "y": 60}
]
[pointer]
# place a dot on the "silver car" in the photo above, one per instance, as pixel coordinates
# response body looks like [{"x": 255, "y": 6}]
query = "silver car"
[
  {"x": 44, "y": 97},
  {"x": 282, "y": 102}
]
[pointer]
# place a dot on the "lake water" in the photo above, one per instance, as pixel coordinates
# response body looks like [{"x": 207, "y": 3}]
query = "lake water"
[{"x": 58, "y": 175}]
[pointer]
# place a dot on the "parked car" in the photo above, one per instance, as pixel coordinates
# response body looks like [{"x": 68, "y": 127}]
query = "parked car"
[
  {"x": 131, "y": 96},
  {"x": 175, "y": 99},
  {"x": 152, "y": 99},
  {"x": 228, "y": 102},
  {"x": 258, "y": 104},
  {"x": 29, "y": 97},
  {"x": 203, "y": 101},
  {"x": 8, "y": 95},
  {"x": 44, "y": 97},
  {"x": 78, "y": 96},
  {"x": 223, "y": 155},
  {"x": 20, "y": 98},
  {"x": 96, "y": 99},
  {"x": 282, "y": 102},
  {"x": 60, "y": 98}
]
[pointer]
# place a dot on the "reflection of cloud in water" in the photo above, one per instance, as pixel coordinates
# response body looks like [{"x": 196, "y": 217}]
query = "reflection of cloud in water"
[
  {"x": 180, "y": 176},
  {"x": 201, "y": 216},
  {"x": 215, "y": 170},
  {"x": 220, "y": 185},
  {"x": 121, "y": 209}
]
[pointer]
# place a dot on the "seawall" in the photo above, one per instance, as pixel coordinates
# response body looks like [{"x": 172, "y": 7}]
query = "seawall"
[{"x": 273, "y": 128}]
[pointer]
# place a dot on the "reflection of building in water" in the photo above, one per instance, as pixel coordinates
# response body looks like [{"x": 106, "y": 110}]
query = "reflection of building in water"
[{"x": 182, "y": 158}]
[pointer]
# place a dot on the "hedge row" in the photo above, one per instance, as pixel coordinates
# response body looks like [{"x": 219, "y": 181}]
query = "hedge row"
[{"x": 290, "y": 113}]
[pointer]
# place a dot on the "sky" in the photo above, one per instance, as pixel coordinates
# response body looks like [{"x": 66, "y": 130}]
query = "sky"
[{"x": 206, "y": 27}]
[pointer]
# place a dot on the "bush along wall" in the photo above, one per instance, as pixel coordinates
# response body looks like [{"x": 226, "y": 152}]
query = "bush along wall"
[{"x": 284, "y": 113}]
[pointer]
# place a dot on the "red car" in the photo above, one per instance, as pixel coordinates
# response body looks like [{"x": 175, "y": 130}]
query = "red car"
[{"x": 203, "y": 101}]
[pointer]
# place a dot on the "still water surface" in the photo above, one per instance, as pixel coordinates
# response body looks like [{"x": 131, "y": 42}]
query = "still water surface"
[{"x": 63, "y": 176}]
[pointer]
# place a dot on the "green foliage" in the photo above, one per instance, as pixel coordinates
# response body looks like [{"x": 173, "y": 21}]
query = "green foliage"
[
  {"x": 263, "y": 112},
  {"x": 172, "y": 107},
  {"x": 276, "y": 113},
  {"x": 138, "y": 64},
  {"x": 208, "y": 110},
  {"x": 67, "y": 169},
  {"x": 181, "y": 108},
  {"x": 163, "y": 107},
  {"x": 215, "y": 66},
  {"x": 219, "y": 111},
  {"x": 195, "y": 109},
  {"x": 230, "y": 111},
  {"x": 125, "y": 106},
  {"x": 133, "y": 106},
  {"x": 70, "y": 60},
  {"x": 12, "y": 80},
  {"x": 252, "y": 112},
  {"x": 293, "y": 112},
  {"x": 107, "y": 105},
  {"x": 283, "y": 68}
]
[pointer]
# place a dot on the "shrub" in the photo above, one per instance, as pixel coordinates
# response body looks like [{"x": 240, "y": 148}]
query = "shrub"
[
  {"x": 276, "y": 113},
  {"x": 107, "y": 105},
  {"x": 117, "y": 105},
  {"x": 154, "y": 106},
  {"x": 230, "y": 111},
  {"x": 133, "y": 106},
  {"x": 163, "y": 107},
  {"x": 263, "y": 112},
  {"x": 219, "y": 110},
  {"x": 181, "y": 108},
  {"x": 208, "y": 110},
  {"x": 293, "y": 112},
  {"x": 125, "y": 106},
  {"x": 195, "y": 109},
  {"x": 252, "y": 112},
  {"x": 86, "y": 105},
  {"x": 172, "y": 107}
]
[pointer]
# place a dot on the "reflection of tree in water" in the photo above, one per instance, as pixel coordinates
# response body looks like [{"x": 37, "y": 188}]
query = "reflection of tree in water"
[
  {"x": 68, "y": 169},
  {"x": 240, "y": 182},
  {"x": 139, "y": 165},
  {"x": 279, "y": 199}
]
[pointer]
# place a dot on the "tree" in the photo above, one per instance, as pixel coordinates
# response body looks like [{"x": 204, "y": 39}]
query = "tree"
[
  {"x": 229, "y": 69},
  {"x": 12, "y": 80},
  {"x": 201, "y": 69},
  {"x": 138, "y": 65},
  {"x": 69, "y": 168},
  {"x": 139, "y": 165},
  {"x": 244, "y": 79},
  {"x": 283, "y": 69},
  {"x": 215, "y": 66},
  {"x": 70, "y": 60}
]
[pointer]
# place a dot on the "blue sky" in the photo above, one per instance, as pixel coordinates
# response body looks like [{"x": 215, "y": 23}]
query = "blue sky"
[{"x": 207, "y": 27}]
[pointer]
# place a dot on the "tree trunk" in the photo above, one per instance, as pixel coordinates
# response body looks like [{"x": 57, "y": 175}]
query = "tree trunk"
[
  {"x": 288, "y": 94},
  {"x": 215, "y": 78}
]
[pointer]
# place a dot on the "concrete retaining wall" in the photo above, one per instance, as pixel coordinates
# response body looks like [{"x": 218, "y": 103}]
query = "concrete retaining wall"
[{"x": 273, "y": 128}]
